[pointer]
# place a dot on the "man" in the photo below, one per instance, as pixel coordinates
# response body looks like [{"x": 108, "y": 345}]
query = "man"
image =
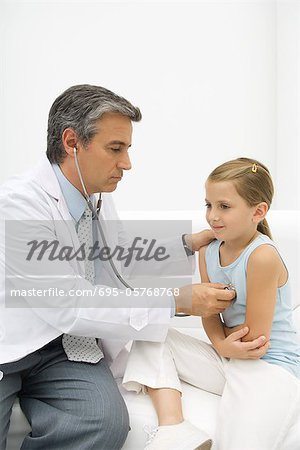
[{"x": 49, "y": 356}]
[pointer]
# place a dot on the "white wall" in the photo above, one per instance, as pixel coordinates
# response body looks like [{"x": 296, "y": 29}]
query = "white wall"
[
  {"x": 288, "y": 103},
  {"x": 214, "y": 79}
]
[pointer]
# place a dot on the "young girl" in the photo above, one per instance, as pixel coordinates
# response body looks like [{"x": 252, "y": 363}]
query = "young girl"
[{"x": 260, "y": 387}]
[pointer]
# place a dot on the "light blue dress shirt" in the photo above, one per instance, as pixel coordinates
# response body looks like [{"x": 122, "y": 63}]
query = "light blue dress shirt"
[{"x": 75, "y": 201}]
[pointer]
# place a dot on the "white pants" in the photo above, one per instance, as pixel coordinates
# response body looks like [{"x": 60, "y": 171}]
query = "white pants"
[{"x": 260, "y": 401}]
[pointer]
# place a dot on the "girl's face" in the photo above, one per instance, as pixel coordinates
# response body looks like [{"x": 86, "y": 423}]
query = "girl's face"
[{"x": 227, "y": 213}]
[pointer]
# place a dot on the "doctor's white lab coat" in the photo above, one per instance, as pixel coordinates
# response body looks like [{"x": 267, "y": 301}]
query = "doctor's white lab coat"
[{"x": 36, "y": 197}]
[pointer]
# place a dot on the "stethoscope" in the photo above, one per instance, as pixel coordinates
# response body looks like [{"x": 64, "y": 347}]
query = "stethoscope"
[{"x": 95, "y": 213}]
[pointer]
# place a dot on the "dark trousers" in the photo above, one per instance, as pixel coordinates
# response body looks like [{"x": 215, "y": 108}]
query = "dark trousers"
[{"x": 69, "y": 405}]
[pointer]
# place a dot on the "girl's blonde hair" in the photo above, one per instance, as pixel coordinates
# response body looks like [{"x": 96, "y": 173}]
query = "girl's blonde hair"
[{"x": 252, "y": 181}]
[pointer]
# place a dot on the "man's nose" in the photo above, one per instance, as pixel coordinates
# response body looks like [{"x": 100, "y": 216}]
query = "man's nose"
[{"x": 125, "y": 163}]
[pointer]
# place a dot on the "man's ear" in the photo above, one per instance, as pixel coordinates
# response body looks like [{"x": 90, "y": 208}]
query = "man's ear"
[
  {"x": 69, "y": 140},
  {"x": 260, "y": 212}
]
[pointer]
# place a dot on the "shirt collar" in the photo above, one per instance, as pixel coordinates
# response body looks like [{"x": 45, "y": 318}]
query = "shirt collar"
[{"x": 75, "y": 201}]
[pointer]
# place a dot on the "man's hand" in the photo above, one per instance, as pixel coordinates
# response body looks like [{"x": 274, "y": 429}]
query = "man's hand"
[
  {"x": 233, "y": 347},
  {"x": 203, "y": 299},
  {"x": 197, "y": 240}
]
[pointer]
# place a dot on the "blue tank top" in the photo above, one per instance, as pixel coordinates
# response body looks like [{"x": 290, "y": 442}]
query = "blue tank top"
[{"x": 285, "y": 344}]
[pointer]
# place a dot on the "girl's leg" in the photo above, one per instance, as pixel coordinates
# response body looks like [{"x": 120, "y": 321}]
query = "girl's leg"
[
  {"x": 167, "y": 404},
  {"x": 158, "y": 368},
  {"x": 162, "y": 365}
]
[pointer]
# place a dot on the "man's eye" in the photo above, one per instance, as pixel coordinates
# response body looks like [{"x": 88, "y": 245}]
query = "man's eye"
[
  {"x": 115, "y": 149},
  {"x": 225, "y": 206},
  {"x": 207, "y": 205}
]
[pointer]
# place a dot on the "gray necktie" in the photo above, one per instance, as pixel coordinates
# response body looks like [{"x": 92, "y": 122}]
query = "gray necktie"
[{"x": 80, "y": 348}]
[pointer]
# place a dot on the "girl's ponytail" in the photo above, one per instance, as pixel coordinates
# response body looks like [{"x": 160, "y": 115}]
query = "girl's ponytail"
[{"x": 263, "y": 227}]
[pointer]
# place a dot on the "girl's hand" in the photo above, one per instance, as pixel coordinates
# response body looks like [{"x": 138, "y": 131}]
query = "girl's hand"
[{"x": 233, "y": 347}]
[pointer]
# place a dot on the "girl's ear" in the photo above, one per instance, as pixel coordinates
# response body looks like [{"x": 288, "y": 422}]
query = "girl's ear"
[{"x": 260, "y": 212}]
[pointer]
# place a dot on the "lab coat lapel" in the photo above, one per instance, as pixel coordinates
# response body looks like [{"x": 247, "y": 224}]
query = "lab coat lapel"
[{"x": 64, "y": 224}]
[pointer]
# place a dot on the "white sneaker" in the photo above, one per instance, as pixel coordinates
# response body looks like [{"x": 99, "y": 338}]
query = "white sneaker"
[{"x": 182, "y": 436}]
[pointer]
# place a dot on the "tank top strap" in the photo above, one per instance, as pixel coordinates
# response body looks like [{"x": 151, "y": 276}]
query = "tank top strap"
[
  {"x": 261, "y": 239},
  {"x": 212, "y": 253}
]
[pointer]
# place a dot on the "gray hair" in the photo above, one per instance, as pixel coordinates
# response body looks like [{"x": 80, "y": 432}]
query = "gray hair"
[{"x": 80, "y": 107}]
